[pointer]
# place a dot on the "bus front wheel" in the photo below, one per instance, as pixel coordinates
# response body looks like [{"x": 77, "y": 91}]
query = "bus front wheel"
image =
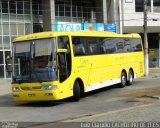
[
  {"x": 76, "y": 91},
  {"x": 123, "y": 80}
]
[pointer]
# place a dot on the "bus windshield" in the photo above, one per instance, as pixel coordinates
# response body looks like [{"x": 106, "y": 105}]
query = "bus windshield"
[{"x": 34, "y": 61}]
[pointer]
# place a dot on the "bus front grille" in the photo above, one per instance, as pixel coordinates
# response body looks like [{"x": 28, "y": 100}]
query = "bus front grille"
[{"x": 31, "y": 88}]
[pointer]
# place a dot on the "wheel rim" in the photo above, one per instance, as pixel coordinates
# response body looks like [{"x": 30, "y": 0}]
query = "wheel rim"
[
  {"x": 123, "y": 79},
  {"x": 131, "y": 77}
]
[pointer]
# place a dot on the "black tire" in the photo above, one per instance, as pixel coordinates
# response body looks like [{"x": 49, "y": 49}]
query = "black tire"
[
  {"x": 123, "y": 80},
  {"x": 76, "y": 91},
  {"x": 130, "y": 78}
]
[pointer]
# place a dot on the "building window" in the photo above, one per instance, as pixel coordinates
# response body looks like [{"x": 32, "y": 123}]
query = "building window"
[
  {"x": 4, "y": 6},
  {"x": 6, "y": 42},
  {"x": 56, "y": 10},
  {"x": 73, "y": 10},
  {"x": 13, "y": 29},
  {"x": 1, "y": 71},
  {"x": 37, "y": 27},
  {"x": 79, "y": 9},
  {"x": 27, "y": 7},
  {"x": 0, "y": 30},
  {"x": 28, "y": 28},
  {"x": 17, "y": 18},
  {"x": 7, "y": 53},
  {"x": 1, "y": 46},
  {"x": 139, "y": 5},
  {"x": 61, "y": 10},
  {"x": 19, "y": 7},
  {"x": 35, "y": 8},
  {"x": 5, "y": 17},
  {"x": 13, "y": 18},
  {"x": 156, "y": 5},
  {"x": 5, "y": 28},
  {"x": 20, "y": 29},
  {"x": 1, "y": 57},
  {"x": 12, "y": 6},
  {"x": 67, "y": 11}
]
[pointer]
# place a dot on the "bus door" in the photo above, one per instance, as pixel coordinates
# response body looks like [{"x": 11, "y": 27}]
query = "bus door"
[{"x": 64, "y": 58}]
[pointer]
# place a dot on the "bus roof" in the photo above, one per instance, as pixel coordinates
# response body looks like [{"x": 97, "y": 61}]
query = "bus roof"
[{"x": 50, "y": 34}]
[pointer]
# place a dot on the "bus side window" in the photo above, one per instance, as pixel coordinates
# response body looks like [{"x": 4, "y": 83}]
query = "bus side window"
[
  {"x": 63, "y": 43},
  {"x": 78, "y": 46}
]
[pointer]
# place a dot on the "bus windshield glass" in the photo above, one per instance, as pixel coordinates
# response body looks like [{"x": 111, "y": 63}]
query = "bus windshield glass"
[{"x": 35, "y": 61}]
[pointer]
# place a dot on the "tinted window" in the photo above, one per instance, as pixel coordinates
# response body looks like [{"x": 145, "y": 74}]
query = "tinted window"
[
  {"x": 119, "y": 44},
  {"x": 101, "y": 45},
  {"x": 63, "y": 42},
  {"x": 79, "y": 46},
  {"x": 132, "y": 45},
  {"x": 108, "y": 45},
  {"x": 94, "y": 45}
]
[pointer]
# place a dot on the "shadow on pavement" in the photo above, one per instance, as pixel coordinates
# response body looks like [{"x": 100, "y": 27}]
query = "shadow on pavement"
[{"x": 6, "y": 101}]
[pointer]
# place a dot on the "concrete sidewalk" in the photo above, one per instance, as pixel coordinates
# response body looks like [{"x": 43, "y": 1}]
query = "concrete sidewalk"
[
  {"x": 5, "y": 85},
  {"x": 154, "y": 72}
]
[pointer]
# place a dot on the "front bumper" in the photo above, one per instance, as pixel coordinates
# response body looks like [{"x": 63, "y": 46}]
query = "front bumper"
[{"x": 44, "y": 95}]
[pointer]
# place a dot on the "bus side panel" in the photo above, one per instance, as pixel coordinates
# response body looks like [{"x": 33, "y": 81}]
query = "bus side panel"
[
  {"x": 81, "y": 69},
  {"x": 102, "y": 68}
]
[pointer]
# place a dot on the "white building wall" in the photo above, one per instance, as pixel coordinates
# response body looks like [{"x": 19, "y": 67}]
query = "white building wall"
[{"x": 133, "y": 21}]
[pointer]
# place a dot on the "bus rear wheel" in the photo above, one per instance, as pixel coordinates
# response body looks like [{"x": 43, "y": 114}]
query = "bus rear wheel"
[
  {"x": 123, "y": 80},
  {"x": 76, "y": 91},
  {"x": 130, "y": 78}
]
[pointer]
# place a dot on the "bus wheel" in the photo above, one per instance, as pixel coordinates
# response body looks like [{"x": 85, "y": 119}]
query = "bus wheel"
[
  {"x": 130, "y": 78},
  {"x": 76, "y": 91},
  {"x": 123, "y": 80}
]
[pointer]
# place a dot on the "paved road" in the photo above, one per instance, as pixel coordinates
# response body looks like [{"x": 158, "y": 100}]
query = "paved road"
[
  {"x": 91, "y": 105},
  {"x": 144, "y": 116}
]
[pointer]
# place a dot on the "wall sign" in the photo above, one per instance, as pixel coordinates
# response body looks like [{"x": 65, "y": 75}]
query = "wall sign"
[{"x": 68, "y": 26}]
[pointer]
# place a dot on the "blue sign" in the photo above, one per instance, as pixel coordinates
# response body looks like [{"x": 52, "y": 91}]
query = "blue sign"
[
  {"x": 89, "y": 26},
  {"x": 100, "y": 26},
  {"x": 93, "y": 26},
  {"x": 110, "y": 27},
  {"x": 67, "y": 26}
]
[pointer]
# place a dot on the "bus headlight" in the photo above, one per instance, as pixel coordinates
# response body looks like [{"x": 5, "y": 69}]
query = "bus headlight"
[
  {"x": 49, "y": 87},
  {"x": 15, "y": 89}
]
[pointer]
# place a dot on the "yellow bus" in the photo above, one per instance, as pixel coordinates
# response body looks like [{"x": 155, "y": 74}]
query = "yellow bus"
[{"x": 51, "y": 66}]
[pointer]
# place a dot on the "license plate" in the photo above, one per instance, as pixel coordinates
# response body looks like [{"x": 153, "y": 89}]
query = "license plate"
[{"x": 31, "y": 95}]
